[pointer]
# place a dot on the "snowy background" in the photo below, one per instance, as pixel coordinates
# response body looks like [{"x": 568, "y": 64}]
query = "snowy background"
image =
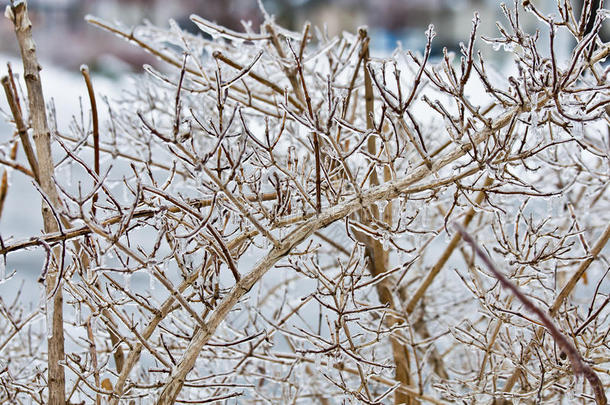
[
  {"x": 65, "y": 41},
  {"x": 21, "y": 217}
]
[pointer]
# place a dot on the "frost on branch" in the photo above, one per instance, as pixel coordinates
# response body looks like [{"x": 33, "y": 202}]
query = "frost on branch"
[{"x": 271, "y": 219}]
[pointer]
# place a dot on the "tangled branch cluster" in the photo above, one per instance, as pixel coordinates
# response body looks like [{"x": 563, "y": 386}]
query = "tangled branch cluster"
[{"x": 271, "y": 219}]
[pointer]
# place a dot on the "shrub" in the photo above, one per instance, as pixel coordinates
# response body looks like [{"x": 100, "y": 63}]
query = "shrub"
[{"x": 280, "y": 217}]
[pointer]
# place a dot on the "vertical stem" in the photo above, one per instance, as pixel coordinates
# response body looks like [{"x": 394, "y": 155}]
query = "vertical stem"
[
  {"x": 290, "y": 73},
  {"x": 96, "y": 133},
  {"x": 4, "y": 180},
  {"x": 13, "y": 86},
  {"x": 438, "y": 266},
  {"x": 114, "y": 338},
  {"x": 378, "y": 257},
  {"x": 316, "y": 148},
  {"x": 369, "y": 104},
  {"x": 42, "y": 139},
  {"x": 13, "y": 103},
  {"x": 316, "y": 140},
  {"x": 10, "y": 88},
  {"x": 94, "y": 364}
]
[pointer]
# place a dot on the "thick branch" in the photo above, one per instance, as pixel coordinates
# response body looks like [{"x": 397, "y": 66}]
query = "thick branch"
[
  {"x": 386, "y": 191},
  {"x": 42, "y": 139}
]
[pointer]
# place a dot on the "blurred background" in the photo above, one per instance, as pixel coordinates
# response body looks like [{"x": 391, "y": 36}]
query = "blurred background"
[{"x": 66, "y": 40}]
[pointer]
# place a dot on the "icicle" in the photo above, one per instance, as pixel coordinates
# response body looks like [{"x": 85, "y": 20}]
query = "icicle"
[
  {"x": 385, "y": 240},
  {"x": 509, "y": 47},
  {"x": 79, "y": 314},
  {"x": 151, "y": 280},
  {"x": 189, "y": 261},
  {"x": 534, "y": 120},
  {"x": 49, "y": 317},
  {"x": 43, "y": 298},
  {"x": 403, "y": 210},
  {"x": 9, "y": 175},
  {"x": 382, "y": 204},
  {"x": 2, "y": 271},
  {"x": 127, "y": 277},
  {"x": 69, "y": 174},
  {"x": 93, "y": 321},
  {"x": 360, "y": 250},
  {"x": 158, "y": 218}
]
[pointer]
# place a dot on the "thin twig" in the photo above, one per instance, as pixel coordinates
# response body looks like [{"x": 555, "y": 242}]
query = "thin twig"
[
  {"x": 96, "y": 132},
  {"x": 578, "y": 365}
]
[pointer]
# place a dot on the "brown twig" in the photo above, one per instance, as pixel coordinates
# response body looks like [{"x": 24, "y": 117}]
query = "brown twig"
[
  {"x": 565, "y": 292},
  {"x": 4, "y": 181},
  {"x": 421, "y": 290},
  {"x": 578, "y": 365},
  {"x": 93, "y": 354},
  {"x": 96, "y": 132},
  {"x": 21, "y": 128},
  {"x": 23, "y": 30}
]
